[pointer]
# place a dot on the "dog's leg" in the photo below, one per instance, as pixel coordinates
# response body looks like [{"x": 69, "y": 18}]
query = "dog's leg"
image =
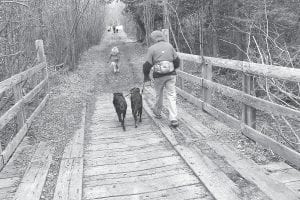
[
  {"x": 140, "y": 113},
  {"x": 123, "y": 121},
  {"x": 119, "y": 116},
  {"x": 135, "y": 118}
]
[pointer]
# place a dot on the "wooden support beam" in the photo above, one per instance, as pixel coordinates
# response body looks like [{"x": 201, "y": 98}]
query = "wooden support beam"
[
  {"x": 207, "y": 74},
  {"x": 39, "y": 45},
  {"x": 32, "y": 184},
  {"x": 248, "y": 112},
  {"x": 41, "y": 57},
  {"x": 18, "y": 96}
]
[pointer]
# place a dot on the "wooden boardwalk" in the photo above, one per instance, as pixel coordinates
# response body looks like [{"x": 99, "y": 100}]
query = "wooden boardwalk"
[
  {"x": 149, "y": 162},
  {"x": 136, "y": 164}
]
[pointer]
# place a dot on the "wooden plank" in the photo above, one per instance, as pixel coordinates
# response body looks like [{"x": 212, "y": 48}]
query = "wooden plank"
[
  {"x": 275, "y": 166},
  {"x": 35, "y": 91},
  {"x": 286, "y": 176},
  {"x": 12, "y": 112},
  {"x": 24, "y": 151},
  {"x": 194, "y": 100},
  {"x": 134, "y": 158},
  {"x": 212, "y": 177},
  {"x": 138, "y": 166},
  {"x": 125, "y": 144},
  {"x": 34, "y": 178},
  {"x": 189, "y": 77},
  {"x": 207, "y": 75},
  {"x": 278, "y": 148},
  {"x": 188, "y": 192},
  {"x": 18, "y": 96},
  {"x": 248, "y": 99},
  {"x": 281, "y": 150},
  {"x": 39, "y": 45},
  {"x": 12, "y": 81},
  {"x": 122, "y": 152},
  {"x": 252, "y": 101},
  {"x": 278, "y": 72},
  {"x": 9, "y": 182},
  {"x": 190, "y": 57},
  {"x": 223, "y": 117},
  {"x": 210, "y": 174},
  {"x": 7, "y": 193},
  {"x": 118, "y": 135},
  {"x": 98, "y": 179},
  {"x": 1, "y": 161},
  {"x": 75, "y": 147},
  {"x": 124, "y": 140},
  {"x": 295, "y": 186},
  {"x": 69, "y": 182},
  {"x": 137, "y": 186},
  {"x": 12, "y": 146},
  {"x": 248, "y": 113},
  {"x": 143, "y": 176},
  {"x": 248, "y": 169},
  {"x": 37, "y": 110}
]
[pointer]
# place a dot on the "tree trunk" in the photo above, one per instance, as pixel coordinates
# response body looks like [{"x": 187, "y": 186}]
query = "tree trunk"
[{"x": 141, "y": 29}]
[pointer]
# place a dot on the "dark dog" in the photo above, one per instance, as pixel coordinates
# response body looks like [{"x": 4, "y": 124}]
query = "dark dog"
[
  {"x": 136, "y": 104},
  {"x": 120, "y": 107}
]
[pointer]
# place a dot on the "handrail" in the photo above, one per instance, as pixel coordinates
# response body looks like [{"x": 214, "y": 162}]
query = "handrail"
[
  {"x": 18, "y": 78},
  {"x": 17, "y": 110},
  {"x": 272, "y": 71},
  {"x": 250, "y": 102}
]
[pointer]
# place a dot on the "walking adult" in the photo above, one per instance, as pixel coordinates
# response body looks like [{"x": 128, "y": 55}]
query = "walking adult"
[{"x": 162, "y": 57}]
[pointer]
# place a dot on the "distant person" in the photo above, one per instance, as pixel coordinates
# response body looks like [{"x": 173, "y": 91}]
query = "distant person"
[
  {"x": 114, "y": 58},
  {"x": 164, "y": 60},
  {"x": 114, "y": 28}
]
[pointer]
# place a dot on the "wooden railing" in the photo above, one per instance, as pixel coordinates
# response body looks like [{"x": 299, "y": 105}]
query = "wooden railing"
[
  {"x": 17, "y": 110},
  {"x": 250, "y": 103}
]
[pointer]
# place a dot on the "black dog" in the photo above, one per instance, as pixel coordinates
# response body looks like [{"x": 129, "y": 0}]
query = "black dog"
[
  {"x": 120, "y": 107},
  {"x": 136, "y": 104}
]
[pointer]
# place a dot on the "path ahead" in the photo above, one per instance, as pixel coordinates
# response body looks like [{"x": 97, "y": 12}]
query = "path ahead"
[{"x": 153, "y": 161}]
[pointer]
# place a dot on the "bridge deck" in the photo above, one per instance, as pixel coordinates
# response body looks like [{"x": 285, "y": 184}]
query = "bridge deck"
[{"x": 136, "y": 164}]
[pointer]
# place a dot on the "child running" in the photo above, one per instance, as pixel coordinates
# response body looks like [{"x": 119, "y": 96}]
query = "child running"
[{"x": 114, "y": 59}]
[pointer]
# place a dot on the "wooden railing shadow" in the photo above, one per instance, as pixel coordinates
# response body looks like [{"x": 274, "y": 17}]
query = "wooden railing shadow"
[
  {"x": 250, "y": 103},
  {"x": 17, "y": 110}
]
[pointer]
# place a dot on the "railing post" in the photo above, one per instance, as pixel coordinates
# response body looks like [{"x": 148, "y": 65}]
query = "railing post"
[
  {"x": 39, "y": 45},
  {"x": 248, "y": 112},
  {"x": 207, "y": 75},
  {"x": 17, "y": 89}
]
